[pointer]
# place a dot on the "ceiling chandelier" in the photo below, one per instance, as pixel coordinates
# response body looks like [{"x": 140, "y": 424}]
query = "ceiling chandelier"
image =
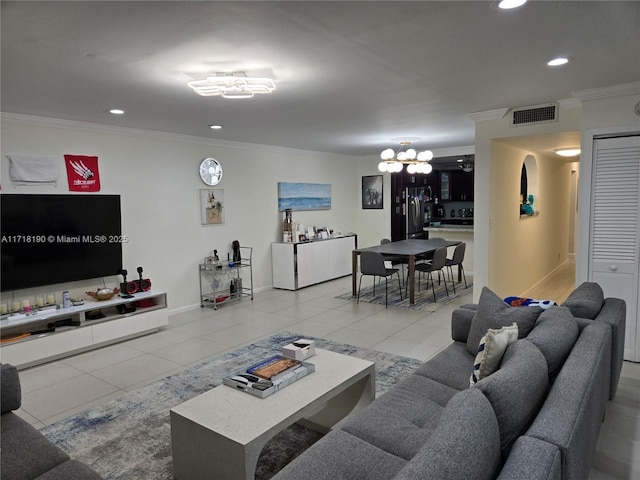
[
  {"x": 232, "y": 85},
  {"x": 416, "y": 162}
]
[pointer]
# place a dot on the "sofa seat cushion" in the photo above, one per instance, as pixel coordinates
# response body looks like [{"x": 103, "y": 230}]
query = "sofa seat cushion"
[
  {"x": 401, "y": 420},
  {"x": 450, "y": 367},
  {"x": 517, "y": 390},
  {"x": 586, "y": 300},
  {"x": 493, "y": 312},
  {"x": 26, "y": 453},
  {"x": 341, "y": 456},
  {"x": 465, "y": 443},
  {"x": 554, "y": 334},
  {"x": 71, "y": 470},
  {"x": 532, "y": 459}
]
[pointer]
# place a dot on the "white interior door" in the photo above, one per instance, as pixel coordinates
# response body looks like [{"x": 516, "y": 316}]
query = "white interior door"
[{"x": 615, "y": 228}]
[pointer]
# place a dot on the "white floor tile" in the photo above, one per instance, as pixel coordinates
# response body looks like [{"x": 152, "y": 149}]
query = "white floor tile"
[
  {"x": 359, "y": 338},
  {"x": 41, "y": 376},
  {"x": 135, "y": 370},
  {"x": 64, "y": 395},
  {"x": 103, "y": 357}
]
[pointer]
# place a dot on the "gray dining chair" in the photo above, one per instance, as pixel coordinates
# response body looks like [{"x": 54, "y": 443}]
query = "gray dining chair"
[
  {"x": 437, "y": 264},
  {"x": 372, "y": 263},
  {"x": 393, "y": 259},
  {"x": 456, "y": 260}
]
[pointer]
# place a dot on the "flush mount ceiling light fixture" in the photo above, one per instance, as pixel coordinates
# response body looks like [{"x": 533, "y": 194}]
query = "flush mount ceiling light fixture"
[
  {"x": 466, "y": 164},
  {"x": 568, "y": 152},
  {"x": 509, "y": 4},
  {"x": 232, "y": 85},
  {"x": 558, "y": 61},
  {"x": 416, "y": 162}
]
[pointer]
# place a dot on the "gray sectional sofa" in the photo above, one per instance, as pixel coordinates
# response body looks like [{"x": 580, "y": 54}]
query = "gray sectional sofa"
[
  {"x": 537, "y": 417},
  {"x": 26, "y": 454}
]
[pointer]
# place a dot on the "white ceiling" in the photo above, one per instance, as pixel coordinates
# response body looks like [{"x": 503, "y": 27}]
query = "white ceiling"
[{"x": 351, "y": 76}]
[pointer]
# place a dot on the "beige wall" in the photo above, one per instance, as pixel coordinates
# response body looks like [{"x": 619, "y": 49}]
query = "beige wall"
[
  {"x": 500, "y": 236},
  {"x": 523, "y": 250}
]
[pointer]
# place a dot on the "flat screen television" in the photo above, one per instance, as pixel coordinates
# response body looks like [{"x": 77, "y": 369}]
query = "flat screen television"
[{"x": 49, "y": 239}]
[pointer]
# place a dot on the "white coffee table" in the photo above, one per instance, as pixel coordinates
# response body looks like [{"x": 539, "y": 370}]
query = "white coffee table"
[{"x": 220, "y": 434}]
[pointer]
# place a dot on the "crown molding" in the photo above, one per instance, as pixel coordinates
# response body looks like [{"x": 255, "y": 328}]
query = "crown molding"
[
  {"x": 568, "y": 103},
  {"x": 632, "y": 88},
  {"x": 36, "y": 121},
  {"x": 488, "y": 115}
]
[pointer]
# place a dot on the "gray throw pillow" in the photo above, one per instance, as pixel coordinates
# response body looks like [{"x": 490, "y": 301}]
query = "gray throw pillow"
[
  {"x": 493, "y": 312},
  {"x": 554, "y": 334},
  {"x": 586, "y": 300}
]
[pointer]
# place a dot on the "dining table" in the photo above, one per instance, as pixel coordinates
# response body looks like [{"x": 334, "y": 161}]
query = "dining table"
[{"x": 409, "y": 248}]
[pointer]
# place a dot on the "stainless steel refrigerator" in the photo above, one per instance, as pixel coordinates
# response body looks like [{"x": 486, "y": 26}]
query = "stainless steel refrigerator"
[{"x": 414, "y": 213}]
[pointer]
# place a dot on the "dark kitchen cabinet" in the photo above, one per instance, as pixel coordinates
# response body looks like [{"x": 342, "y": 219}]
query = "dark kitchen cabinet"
[{"x": 461, "y": 184}]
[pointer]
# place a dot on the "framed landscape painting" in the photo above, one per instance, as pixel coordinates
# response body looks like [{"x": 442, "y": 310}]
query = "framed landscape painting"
[
  {"x": 372, "y": 192},
  {"x": 304, "y": 196}
]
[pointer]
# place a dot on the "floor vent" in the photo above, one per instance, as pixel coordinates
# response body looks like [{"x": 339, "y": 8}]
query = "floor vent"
[{"x": 537, "y": 114}]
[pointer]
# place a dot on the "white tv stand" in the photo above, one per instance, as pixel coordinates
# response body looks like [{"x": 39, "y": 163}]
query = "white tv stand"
[{"x": 115, "y": 326}]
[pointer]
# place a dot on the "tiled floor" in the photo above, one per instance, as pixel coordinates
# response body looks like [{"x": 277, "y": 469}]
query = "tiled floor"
[{"x": 58, "y": 389}]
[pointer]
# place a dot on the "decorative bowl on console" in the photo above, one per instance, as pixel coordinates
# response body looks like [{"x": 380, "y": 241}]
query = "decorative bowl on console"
[{"x": 103, "y": 293}]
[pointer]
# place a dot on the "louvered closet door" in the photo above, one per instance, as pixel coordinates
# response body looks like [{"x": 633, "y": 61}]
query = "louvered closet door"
[{"x": 615, "y": 228}]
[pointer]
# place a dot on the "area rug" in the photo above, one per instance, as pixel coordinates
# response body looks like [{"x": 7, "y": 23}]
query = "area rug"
[
  {"x": 423, "y": 297},
  {"x": 130, "y": 437}
]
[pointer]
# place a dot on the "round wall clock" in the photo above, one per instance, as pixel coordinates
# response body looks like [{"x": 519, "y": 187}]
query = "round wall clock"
[{"x": 210, "y": 171}]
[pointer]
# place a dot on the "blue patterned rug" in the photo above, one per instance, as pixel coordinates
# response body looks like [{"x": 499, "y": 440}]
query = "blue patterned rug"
[
  {"x": 423, "y": 297},
  {"x": 130, "y": 438}
]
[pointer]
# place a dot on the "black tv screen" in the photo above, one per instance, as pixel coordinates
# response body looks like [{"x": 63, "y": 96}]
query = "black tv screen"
[{"x": 49, "y": 239}]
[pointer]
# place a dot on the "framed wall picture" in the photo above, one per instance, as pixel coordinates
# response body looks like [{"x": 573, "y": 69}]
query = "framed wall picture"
[
  {"x": 211, "y": 206},
  {"x": 304, "y": 196},
  {"x": 372, "y": 192}
]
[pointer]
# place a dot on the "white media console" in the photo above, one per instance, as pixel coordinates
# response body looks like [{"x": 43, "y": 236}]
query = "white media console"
[{"x": 117, "y": 323}]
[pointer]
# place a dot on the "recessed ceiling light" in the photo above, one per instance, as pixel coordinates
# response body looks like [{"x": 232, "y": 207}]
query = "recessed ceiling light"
[
  {"x": 558, "y": 61},
  {"x": 215, "y": 127},
  {"x": 116, "y": 111},
  {"x": 509, "y": 4},
  {"x": 568, "y": 152}
]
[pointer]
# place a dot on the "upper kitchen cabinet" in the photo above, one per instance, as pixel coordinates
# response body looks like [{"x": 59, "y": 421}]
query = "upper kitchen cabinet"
[
  {"x": 461, "y": 185},
  {"x": 456, "y": 185}
]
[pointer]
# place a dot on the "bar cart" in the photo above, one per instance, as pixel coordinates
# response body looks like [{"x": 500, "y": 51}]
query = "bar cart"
[{"x": 226, "y": 282}]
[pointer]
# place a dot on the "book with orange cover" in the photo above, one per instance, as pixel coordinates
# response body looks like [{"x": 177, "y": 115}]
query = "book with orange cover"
[{"x": 272, "y": 366}]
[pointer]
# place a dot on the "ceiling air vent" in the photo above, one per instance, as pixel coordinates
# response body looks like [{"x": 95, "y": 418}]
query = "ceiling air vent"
[{"x": 538, "y": 114}]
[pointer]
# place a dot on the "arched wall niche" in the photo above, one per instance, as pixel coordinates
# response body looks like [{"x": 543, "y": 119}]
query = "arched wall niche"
[{"x": 528, "y": 185}]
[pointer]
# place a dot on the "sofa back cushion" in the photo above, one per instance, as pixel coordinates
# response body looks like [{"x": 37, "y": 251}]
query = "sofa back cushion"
[
  {"x": 10, "y": 391},
  {"x": 517, "y": 390},
  {"x": 465, "y": 443},
  {"x": 554, "y": 334},
  {"x": 493, "y": 312},
  {"x": 586, "y": 300}
]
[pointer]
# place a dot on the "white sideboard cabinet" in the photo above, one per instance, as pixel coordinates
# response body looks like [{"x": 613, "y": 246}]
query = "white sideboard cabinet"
[
  {"x": 298, "y": 265},
  {"x": 119, "y": 319}
]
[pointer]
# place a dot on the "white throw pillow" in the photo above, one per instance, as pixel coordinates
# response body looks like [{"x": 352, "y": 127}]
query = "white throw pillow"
[{"x": 490, "y": 351}]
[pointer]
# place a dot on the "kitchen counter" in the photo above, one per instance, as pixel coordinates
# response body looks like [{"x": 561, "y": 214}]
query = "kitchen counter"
[{"x": 450, "y": 228}]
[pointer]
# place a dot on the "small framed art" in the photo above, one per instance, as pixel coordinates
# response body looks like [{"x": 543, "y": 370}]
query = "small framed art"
[{"x": 372, "y": 192}]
